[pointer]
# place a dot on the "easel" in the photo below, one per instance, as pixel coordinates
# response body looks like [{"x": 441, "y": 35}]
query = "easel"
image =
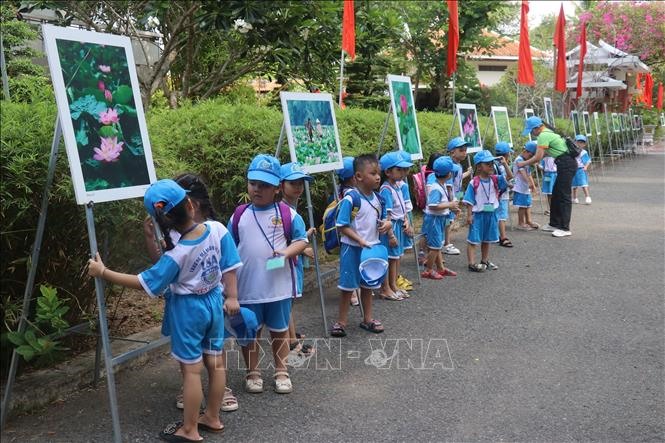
[
  {"x": 109, "y": 360},
  {"x": 416, "y": 238},
  {"x": 610, "y": 132},
  {"x": 310, "y": 213}
]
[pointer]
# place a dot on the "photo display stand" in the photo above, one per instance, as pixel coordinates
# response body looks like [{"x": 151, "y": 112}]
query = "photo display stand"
[
  {"x": 310, "y": 214},
  {"x": 610, "y": 133},
  {"x": 416, "y": 237},
  {"x": 529, "y": 112}
]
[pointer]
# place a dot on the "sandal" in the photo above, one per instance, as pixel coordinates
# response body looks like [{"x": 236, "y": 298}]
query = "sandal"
[
  {"x": 447, "y": 272},
  {"x": 337, "y": 330},
  {"x": 283, "y": 386},
  {"x": 477, "y": 267},
  {"x": 402, "y": 293},
  {"x": 534, "y": 225},
  {"x": 208, "y": 428},
  {"x": 431, "y": 275},
  {"x": 354, "y": 299},
  {"x": 489, "y": 265},
  {"x": 253, "y": 385},
  {"x": 524, "y": 228},
  {"x": 394, "y": 296},
  {"x": 506, "y": 243},
  {"x": 229, "y": 401},
  {"x": 374, "y": 326},
  {"x": 300, "y": 336},
  {"x": 169, "y": 434}
]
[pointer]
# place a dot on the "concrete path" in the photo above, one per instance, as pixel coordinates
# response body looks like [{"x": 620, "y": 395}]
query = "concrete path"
[{"x": 564, "y": 342}]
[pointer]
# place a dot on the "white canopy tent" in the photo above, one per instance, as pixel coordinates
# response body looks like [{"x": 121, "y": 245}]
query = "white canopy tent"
[{"x": 606, "y": 55}]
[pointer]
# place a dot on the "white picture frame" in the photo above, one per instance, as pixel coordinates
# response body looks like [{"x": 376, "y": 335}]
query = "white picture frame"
[
  {"x": 501, "y": 120},
  {"x": 110, "y": 156},
  {"x": 311, "y": 131},
  {"x": 528, "y": 112},
  {"x": 404, "y": 115},
  {"x": 616, "y": 124},
  {"x": 662, "y": 119},
  {"x": 596, "y": 122},
  {"x": 549, "y": 111},
  {"x": 469, "y": 126},
  {"x": 586, "y": 120},
  {"x": 575, "y": 118}
]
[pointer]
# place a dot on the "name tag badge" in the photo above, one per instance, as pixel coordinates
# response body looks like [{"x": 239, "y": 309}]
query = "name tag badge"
[
  {"x": 275, "y": 263},
  {"x": 488, "y": 207}
]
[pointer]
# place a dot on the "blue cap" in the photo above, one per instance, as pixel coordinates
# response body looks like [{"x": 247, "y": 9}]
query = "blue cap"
[
  {"x": 347, "y": 171},
  {"x": 532, "y": 123},
  {"x": 393, "y": 159},
  {"x": 580, "y": 138},
  {"x": 443, "y": 166},
  {"x": 242, "y": 326},
  {"x": 264, "y": 168},
  {"x": 457, "y": 142},
  {"x": 165, "y": 194},
  {"x": 531, "y": 147},
  {"x": 373, "y": 264},
  {"x": 405, "y": 156},
  {"x": 483, "y": 157},
  {"x": 502, "y": 148},
  {"x": 293, "y": 171}
]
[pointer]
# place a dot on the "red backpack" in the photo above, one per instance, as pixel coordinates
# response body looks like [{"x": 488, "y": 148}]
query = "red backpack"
[{"x": 419, "y": 187}]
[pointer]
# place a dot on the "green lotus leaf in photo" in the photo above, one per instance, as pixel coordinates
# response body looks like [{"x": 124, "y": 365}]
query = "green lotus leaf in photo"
[
  {"x": 108, "y": 131},
  {"x": 87, "y": 104},
  {"x": 123, "y": 95}
]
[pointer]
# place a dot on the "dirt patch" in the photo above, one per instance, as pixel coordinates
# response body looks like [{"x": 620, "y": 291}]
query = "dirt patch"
[{"x": 130, "y": 311}]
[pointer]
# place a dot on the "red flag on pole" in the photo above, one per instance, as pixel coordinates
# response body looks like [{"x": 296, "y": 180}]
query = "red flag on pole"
[
  {"x": 524, "y": 66},
  {"x": 580, "y": 69},
  {"x": 560, "y": 43},
  {"x": 659, "y": 102},
  {"x": 453, "y": 37},
  {"x": 648, "y": 91},
  {"x": 349, "y": 30}
]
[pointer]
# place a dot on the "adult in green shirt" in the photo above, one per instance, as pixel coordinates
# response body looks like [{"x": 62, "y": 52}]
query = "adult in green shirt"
[{"x": 552, "y": 144}]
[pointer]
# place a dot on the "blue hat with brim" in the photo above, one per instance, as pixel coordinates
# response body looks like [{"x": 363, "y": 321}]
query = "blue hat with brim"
[
  {"x": 457, "y": 142},
  {"x": 165, "y": 194},
  {"x": 483, "y": 157},
  {"x": 373, "y": 265},
  {"x": 580, "y": 138},
  {"x": 443, "y": 166},
  {"x": 502, "y": 148},
  {"x": 347, "y": 171},
  {"x": 293, "y": 171},
  {"x": 393, "y": 160},
  {"x": 405, "y": 156},
  {"x": 532, "y": 123},
  {"x": 531, "y": 147},
  {"x": 264, "y": 168},
  {"x": 242, "y": 326}
]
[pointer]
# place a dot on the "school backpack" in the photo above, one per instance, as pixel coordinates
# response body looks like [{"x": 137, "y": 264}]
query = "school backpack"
[
  {"x": 285, "y": 216},
  {"x": 475, "y": 182},
  {"x": 419, "y": 188},
  {"x": 329, "y": 230}
]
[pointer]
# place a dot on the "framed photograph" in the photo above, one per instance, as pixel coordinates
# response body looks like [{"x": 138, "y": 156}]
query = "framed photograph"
[
  {"x": 528, "y": 112},
  {"x": 596, "y": 122},
  {"x": 101, "y": 113},
  {"x": 469, "y": 127},
  {"x": 575, "y": 117},
  {"x": 549, "y": 112},
  {"x": 404, "y": 113},
  {"x": 502, "y": 125},
  {"x": 662, "y": 119},
  {"x": 311, "y": 129},
  {"x": 636, "y": 123},
  {"x": 586, "y": 119},
  {"x": 616, "y": 126}
]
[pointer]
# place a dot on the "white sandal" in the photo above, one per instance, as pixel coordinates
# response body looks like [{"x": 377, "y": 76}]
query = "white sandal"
[
  {"x": 229, "y": 401},
  {"x": 283, "y": 386},
  {"x": 253, "y": 385}
]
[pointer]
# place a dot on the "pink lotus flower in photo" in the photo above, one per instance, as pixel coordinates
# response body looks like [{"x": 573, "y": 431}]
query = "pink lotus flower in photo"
[
  {"x": 469, "y": 127},
  {"x": 403, "y": 103},
  {"x": 109, "y": 117},
  {"x": 101, "y": 86},
  {"x": 104, "y": 68},
  {"x": 109, "y": 151},
  {"x": 107, "y": 95}
]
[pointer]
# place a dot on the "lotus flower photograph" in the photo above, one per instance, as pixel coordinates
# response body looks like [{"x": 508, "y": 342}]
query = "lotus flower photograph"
[{"x": 406, "y": 124}]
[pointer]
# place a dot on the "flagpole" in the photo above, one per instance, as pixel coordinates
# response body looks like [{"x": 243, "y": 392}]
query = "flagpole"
[{"x": 341, "y": 78}]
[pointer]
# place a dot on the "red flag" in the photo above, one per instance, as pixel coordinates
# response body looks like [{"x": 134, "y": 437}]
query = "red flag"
[
  {"x": 560, "y": 43},
  {"x": 349, "y": 29},
  {"x": 580, "y": 69},
  {"x": 648, "y": 91},
  {"x": 453, "y": 37},
  {"x": 659, "y": 102},
  {"x": 524, "y": 66}
]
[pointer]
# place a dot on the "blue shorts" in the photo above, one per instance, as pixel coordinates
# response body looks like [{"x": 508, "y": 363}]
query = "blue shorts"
[
  {"x": 166, "y": 318},
  {"x": 548, "y": 182},
  {"x": 580, "y": 180},
  {"x": 275, "y": 315},
  {"x": 521, "y": 200},
  {"x": 484, "y": 229},
  {"x": 502, "y": 211},
  {"x": 395, "y": 252},
  {"x": 196, "y": 324},
  {"x": 436, "y": 225},
  {"x": 349, "y": 269}
]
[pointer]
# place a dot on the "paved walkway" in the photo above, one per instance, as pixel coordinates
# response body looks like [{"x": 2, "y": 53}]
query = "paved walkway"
[{"x": 564, "y": 342}]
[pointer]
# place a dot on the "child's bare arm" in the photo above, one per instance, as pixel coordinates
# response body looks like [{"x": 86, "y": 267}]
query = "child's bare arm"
[
  {"x": 230, "y": 279},
  {"x": 353, "y": 235},
  {"x": 150, "y": 241},
  {"x": 96, "y": 268},
  {"x": 294, "y": 249}
]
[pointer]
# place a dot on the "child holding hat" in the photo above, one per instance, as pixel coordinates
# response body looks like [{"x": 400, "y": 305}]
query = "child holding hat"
[
  {"x": 193, "y": 270},
  {"x": 482, "y": 200},
  {"x": 503, "y": 151},
  {"x": 580, "y": 180}
]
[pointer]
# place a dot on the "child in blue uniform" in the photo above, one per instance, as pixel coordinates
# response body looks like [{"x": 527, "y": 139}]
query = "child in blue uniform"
[
  {"x": 524, "y": 185},
  {"x": 503, "y": 151},
  {"x": 402, "y": 282},
  {"x": 193, "y": 270},
  {"x": 457, "y": 150},
  {"x": 580, "y": 180},
  {"x": 482, "y": 200},
  {"x": 548, "y": 167}
]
